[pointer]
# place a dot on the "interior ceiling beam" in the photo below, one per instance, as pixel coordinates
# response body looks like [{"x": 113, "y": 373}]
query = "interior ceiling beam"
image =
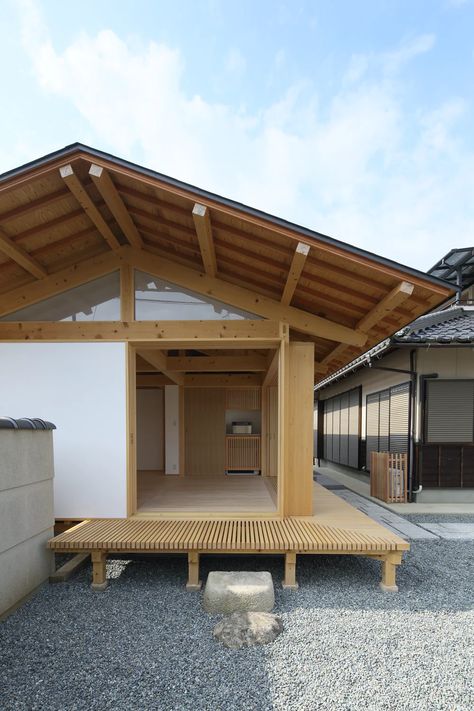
[
  {"x": 297, "y": 265},
  {"x": 217, "y": 364},
  {"x": 400, "y": 293},
  {"x": 114, "y": 202},
  {"x": 21, "y": 256},
  {"x": 78, "y": 190},
  {"x": 202, "y": 223},
  {"x": 242, "y": 298},
  {"x": 271, "y": 375},
  {"x": 159, "y": 360}
]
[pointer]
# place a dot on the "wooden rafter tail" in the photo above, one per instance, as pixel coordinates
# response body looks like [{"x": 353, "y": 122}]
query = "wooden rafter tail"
[
  {"x": 160, "y": 361},
  {"x": 21, "y": 256},
  {"x": 85, "y": 201},
  {"x": 114, "y": 202},
  {"x": 400, "y": 293},
  {"x": 202, "y": 223},
  {"x": 243, "y": 298},
  {"x": 296, "y": 268}
]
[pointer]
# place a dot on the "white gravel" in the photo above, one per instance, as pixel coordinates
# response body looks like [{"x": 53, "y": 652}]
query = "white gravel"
[{"x": 145, "y": 643}]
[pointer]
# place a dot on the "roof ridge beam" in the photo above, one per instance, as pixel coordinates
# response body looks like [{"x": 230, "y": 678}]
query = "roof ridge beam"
[
  {"x": 202, "y": 223},
  {"x": 296, "y": 268},
  {"x": 21, "y": 256},
  {"x": 85, "y": 201},
  {"x": 242, "y": 297},
  {"x": 116, "y": 205}
]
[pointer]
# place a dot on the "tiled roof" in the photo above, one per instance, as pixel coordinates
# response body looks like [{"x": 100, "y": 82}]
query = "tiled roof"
[{"x": 453, "y": 325}]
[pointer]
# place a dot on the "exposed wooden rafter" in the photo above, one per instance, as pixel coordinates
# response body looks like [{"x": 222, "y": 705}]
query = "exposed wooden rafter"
[
  {"x": 21, "y": 256},
  {"x": 400, "y": 293},
  {"x": 242, "y": 298},
  {"x": 202, "y": 223},
  {"x": 297, "y": 264},
  {"x": 85, "y": 201},
  {"x": 114, "y": 202}
]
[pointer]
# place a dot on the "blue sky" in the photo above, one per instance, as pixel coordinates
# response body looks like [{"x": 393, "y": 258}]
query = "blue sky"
[{"x": 352, "y": 118}]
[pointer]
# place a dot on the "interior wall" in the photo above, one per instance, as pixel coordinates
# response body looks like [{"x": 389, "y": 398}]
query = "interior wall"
[
  {"x": 172, "y": 462},
  {"x": 205, "y": 431},
  {"x": 81, "y": 388},
  {"x": 150, "y": 429}
]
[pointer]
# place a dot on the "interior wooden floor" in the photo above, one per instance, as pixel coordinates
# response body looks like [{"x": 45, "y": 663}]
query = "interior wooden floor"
[{"x": 246, "y": 494}]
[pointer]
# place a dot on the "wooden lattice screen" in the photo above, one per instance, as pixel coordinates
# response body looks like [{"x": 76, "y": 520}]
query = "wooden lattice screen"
[{"x": 388, "y": 477}]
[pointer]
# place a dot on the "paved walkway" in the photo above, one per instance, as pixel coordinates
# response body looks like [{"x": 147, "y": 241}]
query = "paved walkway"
[{"x": 428, "y": 531}]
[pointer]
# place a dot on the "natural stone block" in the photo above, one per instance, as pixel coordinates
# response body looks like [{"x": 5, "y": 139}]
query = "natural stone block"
[{"x": 227, "y": 592}]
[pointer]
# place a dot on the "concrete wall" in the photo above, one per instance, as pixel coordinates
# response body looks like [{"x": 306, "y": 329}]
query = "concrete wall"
[
  {"x": 26, "y": 512},
  {"x": 81, "y": 387}
]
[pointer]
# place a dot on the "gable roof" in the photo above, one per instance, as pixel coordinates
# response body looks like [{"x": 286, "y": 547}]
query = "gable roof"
[
  {"x": 55, "y": 214},
  {"x": 453, "y": 326}
]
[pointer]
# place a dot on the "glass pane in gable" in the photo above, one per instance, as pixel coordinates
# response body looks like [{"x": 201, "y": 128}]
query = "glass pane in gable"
[
  {"x": 159, "y": 300},
  {"x": 98, "y": 300}
]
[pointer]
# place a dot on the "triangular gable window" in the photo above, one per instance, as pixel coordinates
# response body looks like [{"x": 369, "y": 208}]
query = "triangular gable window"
[
  {"x": 159, "y": 300},
  {"x": 98, "y": 300}
]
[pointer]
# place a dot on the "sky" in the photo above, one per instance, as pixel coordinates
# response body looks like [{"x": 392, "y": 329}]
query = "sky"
[{"x": 351, "y": 118}]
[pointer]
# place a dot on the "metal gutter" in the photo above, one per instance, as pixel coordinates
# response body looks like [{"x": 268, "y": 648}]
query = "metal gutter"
[{"x": 68, "y": 151}]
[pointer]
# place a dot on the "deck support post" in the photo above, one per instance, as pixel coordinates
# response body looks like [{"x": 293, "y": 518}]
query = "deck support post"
[
  {"x": 99, "y": 580},
  {"x": 389, "y": 569},
  {"x": 289, "y": 582},
  {"x": 193, "y": 572}
]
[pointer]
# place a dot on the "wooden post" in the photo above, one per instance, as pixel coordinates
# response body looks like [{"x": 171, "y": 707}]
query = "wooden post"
[
  {"x": 389, "y": 569},
  {"x": 298, "y": 480},
  {"x": 99, "y": 580},
  {"x": 127, "y": 293},
  {"x": 289, "y": 583},
  {"x": 193, "y": 572},
  {"x": 182, "y": 433}
]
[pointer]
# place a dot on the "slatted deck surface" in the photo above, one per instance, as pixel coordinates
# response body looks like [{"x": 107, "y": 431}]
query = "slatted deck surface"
[{"x": 291, "y": 534}]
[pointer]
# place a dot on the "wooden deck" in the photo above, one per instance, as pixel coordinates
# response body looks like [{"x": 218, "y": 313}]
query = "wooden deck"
[{"x": 335, "y": 528}]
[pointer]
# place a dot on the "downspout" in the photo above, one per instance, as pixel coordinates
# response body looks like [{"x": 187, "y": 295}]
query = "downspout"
[{"x": 412, "y": 425}]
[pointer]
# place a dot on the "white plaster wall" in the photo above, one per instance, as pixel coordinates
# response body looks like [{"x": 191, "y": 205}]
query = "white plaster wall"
[
  {"x": 150, "y": 427},
  {"x": 81, "y": 387},
  {"x": 171, "y": 429}
]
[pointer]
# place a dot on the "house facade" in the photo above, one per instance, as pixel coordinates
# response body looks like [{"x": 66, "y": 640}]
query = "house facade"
[{"x": 412, "y": 393}]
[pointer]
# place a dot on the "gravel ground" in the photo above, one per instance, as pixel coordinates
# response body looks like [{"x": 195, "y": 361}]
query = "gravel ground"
[
  {"x": 145, "y": 643},
  {"x": 440, "y": 518}
]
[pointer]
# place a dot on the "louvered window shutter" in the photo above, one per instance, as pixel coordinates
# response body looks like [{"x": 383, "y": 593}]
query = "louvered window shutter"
[
  {"x": 450, "y": 411},
  {"x": 399, "y": 409},
  {"x": 372, "y": 434}
]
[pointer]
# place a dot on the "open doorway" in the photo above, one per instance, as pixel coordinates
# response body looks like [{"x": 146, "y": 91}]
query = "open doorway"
[{"x": 207, "y": 439}]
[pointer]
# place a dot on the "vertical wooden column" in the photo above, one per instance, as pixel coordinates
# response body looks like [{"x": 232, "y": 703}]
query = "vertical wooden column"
[
  {"x": 289, "y": 581},
  {"x": 127, "y": 293},
  {"x": 131, "y": 430},
  {"x": 282, "y": 424},
  {"x": 99, "y": 580},
  {"x": 182, "y": 433},
  {"x": 389, "y": 569},
  {"x": 298, "y": 480},
  {"x": 193, "y": 572}
]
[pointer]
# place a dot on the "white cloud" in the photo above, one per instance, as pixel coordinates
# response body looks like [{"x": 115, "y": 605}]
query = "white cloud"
[{"x": 362, "y": 166}]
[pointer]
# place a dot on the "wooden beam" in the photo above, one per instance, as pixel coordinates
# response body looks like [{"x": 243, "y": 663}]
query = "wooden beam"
[
  {"x": 21, "y": 256},
  {"x": 152, "y": 381},
  {"x": 159, "y": 360},
  {"x": 271, "y": 376},
  {"x": 169, "y": 334},
  {"x": 242, "y": 298},
  {"x": 217, "y": 380},
  {"x": 114, "y": 202},
  {"x": 58, "y": 282},
  {"x": 202, "y": 223},
  {"x": 320, "y": 368},
  {"x": 217, "y": 364},
  {"x": 127, "y": 293},
  {"x": 297, "y": 264},
  {"x": 400, "y": 293},
  {"x": 77, "y": 189}
]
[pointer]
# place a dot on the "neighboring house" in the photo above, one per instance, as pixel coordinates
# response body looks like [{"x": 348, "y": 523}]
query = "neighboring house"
[
  {"x": 413, "y": 393},
  {"x": 173, "y": 336}
]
